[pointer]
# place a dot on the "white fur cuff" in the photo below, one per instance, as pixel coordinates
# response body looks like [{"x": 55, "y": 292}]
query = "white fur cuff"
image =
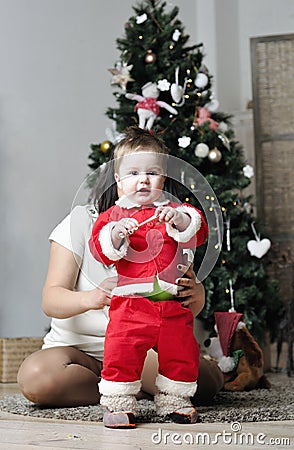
[
  {"x": 106, "y": 244},
  {"x": 184, "y": 389},
  {"x": 195, "y": 225},
  {"x": 107, "y": 387}
]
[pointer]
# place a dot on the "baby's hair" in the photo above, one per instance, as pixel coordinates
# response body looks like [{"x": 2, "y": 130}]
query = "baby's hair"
[
  {"x": 137, "y": 139},
  {"x": 104, "y": 193}
]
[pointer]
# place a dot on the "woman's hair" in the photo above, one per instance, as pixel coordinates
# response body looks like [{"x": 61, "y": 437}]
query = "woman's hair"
[
  {"x": 137, "y": 139},
  {"x": 104, "y": 193}
]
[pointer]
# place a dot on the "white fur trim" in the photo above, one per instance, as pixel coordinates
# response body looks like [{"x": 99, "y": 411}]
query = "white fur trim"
[
  {"x": 144, "y": 287},
  {"x": 107, "y": 387},
  {"x": 240, "y": 325},
  {"x": 125, "y": 202},
  {"x": 106, "y": 244},
  {"x": 184, "y": 389},
  {"x": 226, "y": 364},
  {"x": 168, "y": 287},
  {"x": 168, "y": 403},
  {"x": 132, "y": 289},
  {"x": 191, "y": 230},
  {"x": 119, "y": 403}
]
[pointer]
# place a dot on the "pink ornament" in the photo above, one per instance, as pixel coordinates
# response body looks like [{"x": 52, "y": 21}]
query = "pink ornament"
[{"x": 204, "y": 116}]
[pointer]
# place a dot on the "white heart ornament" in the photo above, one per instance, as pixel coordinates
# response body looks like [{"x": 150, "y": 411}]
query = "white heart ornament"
[
  {"x": 176, "y": 92},
  {"x": 259, "y": 248}
]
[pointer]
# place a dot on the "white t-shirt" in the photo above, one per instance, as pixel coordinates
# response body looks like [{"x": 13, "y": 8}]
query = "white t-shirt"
[{"x": 85, "y": 331}]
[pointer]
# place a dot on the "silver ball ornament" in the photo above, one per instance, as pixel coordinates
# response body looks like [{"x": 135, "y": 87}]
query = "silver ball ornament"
[{"x": 201, "y": 80}]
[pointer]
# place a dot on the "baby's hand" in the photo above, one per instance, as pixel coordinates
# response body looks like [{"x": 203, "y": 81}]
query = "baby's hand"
[
  {"x": 168, "y": 214},
  {"x": 173, "y": 216},
  {"x": 123, "y": 228}
]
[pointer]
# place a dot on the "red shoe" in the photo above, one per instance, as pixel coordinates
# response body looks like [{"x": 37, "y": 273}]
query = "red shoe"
[
  {"x": 119, "y": 419},
  {"x": 184, "y": 415}
]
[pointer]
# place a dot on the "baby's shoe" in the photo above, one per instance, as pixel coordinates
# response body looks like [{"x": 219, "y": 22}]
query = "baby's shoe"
[
  {"x": 184, "y": 415},
  {"x": 121, "y": 419},
  {"x": 179, "y": 408}
]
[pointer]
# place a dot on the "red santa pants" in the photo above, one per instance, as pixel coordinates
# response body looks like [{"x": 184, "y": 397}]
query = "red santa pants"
[{"x": 138, "y": 324}]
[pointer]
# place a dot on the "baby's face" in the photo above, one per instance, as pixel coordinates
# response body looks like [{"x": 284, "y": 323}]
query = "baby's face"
[{"x": 141, "y": 176}]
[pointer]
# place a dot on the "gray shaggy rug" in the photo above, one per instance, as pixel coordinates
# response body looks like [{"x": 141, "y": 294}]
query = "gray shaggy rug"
[{"x": 260, "y": 405}]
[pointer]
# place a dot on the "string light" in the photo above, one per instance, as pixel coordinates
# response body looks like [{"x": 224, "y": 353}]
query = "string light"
[
  {"x": 192, "y": 186},
  {"x": 187, "y": 199},
  {"x": 171, "y": 47},
  {"x": 140, "y": 37},
  {"x": 188, "y": 72}
]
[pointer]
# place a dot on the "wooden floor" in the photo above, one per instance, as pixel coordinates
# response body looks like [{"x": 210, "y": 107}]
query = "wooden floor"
[{"x": 22, "y": 433}]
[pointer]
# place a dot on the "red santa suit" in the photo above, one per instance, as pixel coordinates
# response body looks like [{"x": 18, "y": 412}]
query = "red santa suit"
[{"x": 136, "y": 322}]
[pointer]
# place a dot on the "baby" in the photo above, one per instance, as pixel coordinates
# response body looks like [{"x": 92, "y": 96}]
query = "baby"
[{"x": 144, "y": 235}]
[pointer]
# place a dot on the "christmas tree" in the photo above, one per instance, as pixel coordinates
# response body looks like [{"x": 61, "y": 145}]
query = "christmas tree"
[{"x": 159, "y": 72}]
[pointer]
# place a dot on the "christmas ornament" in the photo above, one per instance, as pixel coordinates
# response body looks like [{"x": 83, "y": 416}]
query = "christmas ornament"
[
  {"x": 203, "y": 116},
  {"x": 150, "y": 57},
  {"x": 223, "y": 127},
  {"x": 105, "y": 146},
  {"x": 176, "y": 35},
  {"x": 148, "y": 106},
  {"x": 201, "y": 80},
  {"x": 214, "y": 155},
  {"x": 184, "y": 141},
  {"x": 228, "y": 233},
  {"x": 201, "y": 150},
  {"x": 121, "y": 74},
  {"x": 213, "y": 105},
  {"x": 112, "y": 134},
  {"x": 224, "y": 140},
  {"x": 248, "y": 171},
  {"x": 163, "y": 85},
  {"x": 177, "y": 91},
  {"x": 232, "y": 308},
  {"x": 258, "y": 248},
  {"x": 141, "y": 19}
]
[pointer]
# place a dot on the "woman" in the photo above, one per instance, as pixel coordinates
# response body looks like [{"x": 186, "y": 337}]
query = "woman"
[{"x": 67, "y": 370}]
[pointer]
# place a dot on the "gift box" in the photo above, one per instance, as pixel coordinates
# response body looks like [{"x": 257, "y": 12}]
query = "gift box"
[{"x": 12, "y": 353}]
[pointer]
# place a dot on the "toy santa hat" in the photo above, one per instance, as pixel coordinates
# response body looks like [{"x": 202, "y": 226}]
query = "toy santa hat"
[{"x": 226, "y": 323}]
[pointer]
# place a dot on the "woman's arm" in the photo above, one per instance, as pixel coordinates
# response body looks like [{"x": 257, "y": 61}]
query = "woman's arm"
[
  {"x": 193, "y": 294},
  {"x": 59, "y": 299}
]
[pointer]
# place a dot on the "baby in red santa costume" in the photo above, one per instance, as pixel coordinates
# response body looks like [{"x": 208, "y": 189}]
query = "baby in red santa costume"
[{"x": 144, "y": 235}]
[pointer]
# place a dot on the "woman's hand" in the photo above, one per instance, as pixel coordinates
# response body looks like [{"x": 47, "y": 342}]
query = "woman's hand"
[
  {"x": 101, "y": 296},
  {"x": 191, "y": 290},
  {"x": 60, "y": 299}
]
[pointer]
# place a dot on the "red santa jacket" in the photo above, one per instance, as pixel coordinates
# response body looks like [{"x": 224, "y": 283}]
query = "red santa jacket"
[{"x": 153, "y": 249}]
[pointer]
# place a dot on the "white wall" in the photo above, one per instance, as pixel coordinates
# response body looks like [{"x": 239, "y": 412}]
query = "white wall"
[
  {"x": 225, "y": 27},
  {"x": 54, "y": 90}
]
